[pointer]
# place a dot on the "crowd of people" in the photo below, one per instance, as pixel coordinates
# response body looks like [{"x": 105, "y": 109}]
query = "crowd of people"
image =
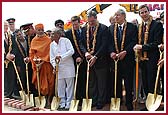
[{"x": 94, "y": 44}]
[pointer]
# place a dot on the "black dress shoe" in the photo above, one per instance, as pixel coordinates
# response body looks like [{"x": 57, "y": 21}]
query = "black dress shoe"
[
  {"x": 144, "y": 109},
  {"x": 129, "y": 107},
  {"x": 99, "y": 106}
]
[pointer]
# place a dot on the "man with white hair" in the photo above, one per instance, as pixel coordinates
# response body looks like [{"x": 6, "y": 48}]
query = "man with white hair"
[
  {"x": 123, "y": 36},
  {"x": 9, "y": 72},
  {"x": 62, "y": 50}
]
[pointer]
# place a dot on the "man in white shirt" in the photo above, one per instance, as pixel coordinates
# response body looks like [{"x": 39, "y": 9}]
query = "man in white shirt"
[{"x": 62, "y": 49}]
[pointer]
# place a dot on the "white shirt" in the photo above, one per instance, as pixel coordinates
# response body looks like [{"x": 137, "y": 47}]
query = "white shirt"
[
  {"x": 122, "y": 25},
  {"x": 64, "y": 49}
]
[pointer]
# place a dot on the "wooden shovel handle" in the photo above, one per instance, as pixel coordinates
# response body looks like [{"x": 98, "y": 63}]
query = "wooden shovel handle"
[
  {"x": 18, "y": 77},
  {"x": 87, "y": 80},
  {"x": 76, "y": 80},
  {"x": 158, "y": 71}
]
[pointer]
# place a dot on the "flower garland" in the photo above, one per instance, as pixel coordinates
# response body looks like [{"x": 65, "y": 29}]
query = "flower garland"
[
  {"x": 9, "y": 48},
  {"x": 145, "y": 35},
  {"x": 76, "y": 43},
  {"x": 20, "y": 49},
  {"x": 91, "y": 51},
  {"x": 123, "y": 37}
]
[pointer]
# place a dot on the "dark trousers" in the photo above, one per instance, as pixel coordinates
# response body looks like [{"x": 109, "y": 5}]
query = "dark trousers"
[
  {"x": 149, "y": 71},
  {"x": 81, "y": 84},
  {"x": 125, "y": 71},
  {"x": 97, "y": 85},
  {"x": 9, "y": 80}
]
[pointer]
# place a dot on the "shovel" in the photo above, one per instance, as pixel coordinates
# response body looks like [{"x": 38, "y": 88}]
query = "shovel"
[
  {"x": 29, "y": 97},
  {"x": 153, "y": 100},
  {"x": 56, "y": 100},
  {"x": 74, "y": 102},
  {"x": 40, "y": 101},
  {"x": 87, "y": 103},
  {"x": 137, "y": 78},
  {"x": 22, "y": 92},
  {"x": 115, "y": 102}
]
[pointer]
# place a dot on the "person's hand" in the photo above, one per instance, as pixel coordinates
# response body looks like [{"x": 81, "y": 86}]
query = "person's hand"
[
  {"x": 58, "y": 58},
  {"x": 78, "y": 59},
  {"x": 161, "y": 62},
  {"x": 10, "y": 57},
  {"x": 137, "y": 47},
  {"x": 113, "y": 55},
  {"x": 122, "y": 55},
  {"x": 26, "y": 59},
  {"x": 92, "y": 61},
  {"x": 161, "y": 47},
  {"x": 88, "y": 55}
]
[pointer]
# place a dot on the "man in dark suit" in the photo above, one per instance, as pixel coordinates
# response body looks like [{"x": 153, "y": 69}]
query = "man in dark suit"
[
  {"x": 123, "y": 36},
  {"x": 75, "y": 34},
  {"x": 95, "y": 49},
  {"x": 9, "y": 72},
  {"x": 150, "y": 36},
  {"x": 29, "y": 33},
  {"x": 20, "y": 54}
]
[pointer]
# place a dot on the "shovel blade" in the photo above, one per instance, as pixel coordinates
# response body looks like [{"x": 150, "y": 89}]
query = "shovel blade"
[
  {"x": 55, "y": 103},
  {"x": 115, "y": 104},
  {"x": 74, "y": 105},
  {"x": 40, "y": 101},
  {"x": 153, "y": 103},
  {"x": 87, "y": 105},
  {"x": 23, "y": 96},
  {"x": 29, "y": 100}
]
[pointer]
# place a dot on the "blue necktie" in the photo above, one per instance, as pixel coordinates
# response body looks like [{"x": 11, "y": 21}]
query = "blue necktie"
[{"x": 120, "y": 33}]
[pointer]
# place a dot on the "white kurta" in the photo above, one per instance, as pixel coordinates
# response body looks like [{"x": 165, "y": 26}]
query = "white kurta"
[{"x": 64, "y": 49}]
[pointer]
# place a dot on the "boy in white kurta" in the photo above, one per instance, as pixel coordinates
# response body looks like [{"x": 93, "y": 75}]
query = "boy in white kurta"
[{"x": 62, "y": 50}]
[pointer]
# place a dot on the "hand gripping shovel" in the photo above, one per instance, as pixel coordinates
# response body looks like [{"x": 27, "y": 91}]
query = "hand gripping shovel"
[
  {"x": 87, "y": 103},
  {"x": 137, "y": 78},
  {"x": 115, "y": 102},
  {"x": 74, "y": 102},
  {"x": 22, "y": 92},
  {"x": 56, "y": 100},
  {"x": 40, "y": 101},
  {"x": 29, "y": 97},
  {"x": 153, "y": 100}
]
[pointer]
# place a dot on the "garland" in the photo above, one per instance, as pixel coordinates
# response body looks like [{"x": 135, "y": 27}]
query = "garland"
[
  {"x": 91, "y": 51},
  {"x": 29, "y": 41},
  {"x": 76, "y": 43},
  {"x": 123, "y": 37},
  {"x": 146, "y": 34},
  {"x": 9, "y": 49},
  {"x": 20, "y": 49}
]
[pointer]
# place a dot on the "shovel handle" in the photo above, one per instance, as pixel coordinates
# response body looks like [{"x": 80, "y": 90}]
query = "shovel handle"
[
  {"x": 137, "y": 73},
  {"x": 38, "y": 80},
  {"x": 115, "y": 81},
  {"x": 56, "y": 77},
  {"x": 27, "y": 78},
  {"x": 18, "y": 77},
  {"x": 158, "y": 71},
  {"x": 76, "y": 80},
  {"x": 87, "y": 80}
]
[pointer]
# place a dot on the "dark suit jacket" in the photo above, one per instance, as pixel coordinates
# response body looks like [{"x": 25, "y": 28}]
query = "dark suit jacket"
[
  {"x": 68, "y": 34},
  {"x": 130, "y": 41},
  {"x": 154, "y": 39},
  {"x": 101, "y": 45}
]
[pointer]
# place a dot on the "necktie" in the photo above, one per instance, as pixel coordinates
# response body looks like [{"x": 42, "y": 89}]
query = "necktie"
[
  {"x": 144, "y": 28},
  {"x": 120, "y": 33},
  {"x": 79, "y": 33},
  {"x": 92, "y": 30}
]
